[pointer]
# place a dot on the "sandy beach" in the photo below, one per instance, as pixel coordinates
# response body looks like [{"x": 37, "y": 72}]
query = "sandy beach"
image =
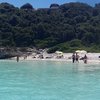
[{"x": 92, "y": 58}]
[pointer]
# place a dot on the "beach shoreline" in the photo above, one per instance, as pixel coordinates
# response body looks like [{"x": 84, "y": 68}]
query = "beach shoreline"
[{"x": 92, "y": 58}]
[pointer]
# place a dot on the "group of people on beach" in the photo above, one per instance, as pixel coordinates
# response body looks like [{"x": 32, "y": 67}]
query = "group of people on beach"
[{"x": 75, "y": 58}]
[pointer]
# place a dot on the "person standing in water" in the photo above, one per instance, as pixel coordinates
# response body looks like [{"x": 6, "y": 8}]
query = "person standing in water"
[
  {"x": 85, "y": 59},
  {"x": 77, "y": 57},
  {"x": 17, "y": 58},
  {"x": 73, "y": 57}
]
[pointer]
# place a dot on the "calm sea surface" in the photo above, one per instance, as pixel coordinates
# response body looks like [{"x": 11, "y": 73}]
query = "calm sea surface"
[{"x": 47, "y": 80}]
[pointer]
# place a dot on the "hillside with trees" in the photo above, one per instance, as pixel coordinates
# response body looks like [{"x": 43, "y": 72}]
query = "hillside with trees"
[{"x": 64, "y": 27}]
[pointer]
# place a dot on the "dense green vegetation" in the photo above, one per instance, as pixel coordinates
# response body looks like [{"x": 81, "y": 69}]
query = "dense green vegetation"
[{"x": 64, "y": 27}]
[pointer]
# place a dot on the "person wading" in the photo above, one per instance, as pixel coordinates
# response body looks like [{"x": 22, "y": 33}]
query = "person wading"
[
  {"x": 77, "y": 57},
  {"x": 73, "y": 57},
  {"x": 85, "y": 59},
  {"x": 17, "y": 58}
]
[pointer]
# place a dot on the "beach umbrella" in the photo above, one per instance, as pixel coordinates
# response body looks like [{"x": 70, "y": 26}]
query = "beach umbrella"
[
  {"x": 78, "y": 51},
  {"x": 59, "y": 52},
  {"x": 83, "y": 51}
]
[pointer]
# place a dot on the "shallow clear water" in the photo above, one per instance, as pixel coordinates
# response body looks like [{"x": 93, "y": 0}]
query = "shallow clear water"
[{"x": 44, "y": 80}]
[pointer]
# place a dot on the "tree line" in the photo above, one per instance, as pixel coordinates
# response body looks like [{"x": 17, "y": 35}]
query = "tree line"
[{"x": 64, "y": 27}]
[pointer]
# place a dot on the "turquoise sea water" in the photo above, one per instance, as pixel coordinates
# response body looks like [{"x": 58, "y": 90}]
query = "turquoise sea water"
[{"x": 44, "y": 80}]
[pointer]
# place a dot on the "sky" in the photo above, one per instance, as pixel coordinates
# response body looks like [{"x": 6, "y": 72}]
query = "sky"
[{"x": 46, "y": 3}]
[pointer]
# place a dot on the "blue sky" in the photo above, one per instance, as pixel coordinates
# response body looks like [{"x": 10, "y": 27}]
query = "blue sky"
[{"x": 46, "y": 3}]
